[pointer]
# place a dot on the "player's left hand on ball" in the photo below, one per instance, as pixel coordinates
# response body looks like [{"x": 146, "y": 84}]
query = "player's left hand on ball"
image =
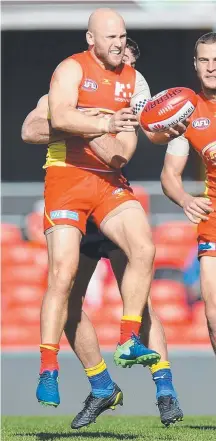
[{"x": 177, "y": 130}]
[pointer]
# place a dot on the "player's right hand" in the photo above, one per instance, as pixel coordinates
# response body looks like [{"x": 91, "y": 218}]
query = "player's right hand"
[
  {"x": 122, "y": 121},
  {"x": 178, "y": 130},
  {"x": 197, "y": 208}
]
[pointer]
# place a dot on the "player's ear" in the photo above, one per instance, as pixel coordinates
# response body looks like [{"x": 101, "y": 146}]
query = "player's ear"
[
  {"x": 89, "y": 38},
  {"x": 195, "y": 63}
]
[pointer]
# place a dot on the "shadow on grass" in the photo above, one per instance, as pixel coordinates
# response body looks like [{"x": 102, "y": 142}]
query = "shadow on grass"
[
  {"x": 201, "y": 427},
  {"x": 42, "y": 436}
]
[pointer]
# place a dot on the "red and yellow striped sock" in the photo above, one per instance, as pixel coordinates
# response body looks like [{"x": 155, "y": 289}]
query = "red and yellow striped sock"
[
  {"x": 129, "y": 324},
  {"x": 49, "y": 352}
]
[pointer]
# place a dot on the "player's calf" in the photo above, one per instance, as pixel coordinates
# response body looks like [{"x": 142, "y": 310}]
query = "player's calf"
[
  {"x": 210, "y": 311},
  {"x": 208, "y": 288},
  {"x": 129, "y": 228}
]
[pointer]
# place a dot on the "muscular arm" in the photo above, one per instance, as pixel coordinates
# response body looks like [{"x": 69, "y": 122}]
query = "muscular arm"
[
  {"x": 115, "y": 151},
  {"x": 63, "y": 97},
  {"x": 36, "y": 128},
  {"x": 174, "y": 164},
  {"x": 195, "y": 208}
]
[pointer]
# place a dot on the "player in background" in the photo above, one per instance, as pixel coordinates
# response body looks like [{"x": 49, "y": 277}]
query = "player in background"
[
  {"x": 79, "y": 329},
  {"x": 201, "y": 135},
  {"x": 132, "y": 52}
]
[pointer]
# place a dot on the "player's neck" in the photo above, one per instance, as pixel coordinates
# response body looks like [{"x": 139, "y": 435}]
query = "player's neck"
[
  {"x": 101, "y": 63},
  {"x": 209, "y": 94}
]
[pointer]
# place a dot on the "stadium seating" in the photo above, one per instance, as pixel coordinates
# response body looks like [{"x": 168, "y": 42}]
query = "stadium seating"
[
  {"x": 171, "y": 255},
  {"x": 10, "y": 234},
  {"x": 143, "y": 197},
  {"x": 199, "y": 331},
  {"x": 170, "y": 302},
  {"x": 24, "y": 252},
  {"x": 24, "y": 280},
  {"x": 175, "y": 233},
  {"x": 34, "y": 227},
  {"x": 20, "y": 336}
]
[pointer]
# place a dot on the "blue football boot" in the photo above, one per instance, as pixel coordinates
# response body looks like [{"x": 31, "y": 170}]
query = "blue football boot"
[{"x": 47, "y": 391}]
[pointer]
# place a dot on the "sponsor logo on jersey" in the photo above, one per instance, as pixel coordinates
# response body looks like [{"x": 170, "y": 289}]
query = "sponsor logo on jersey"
[
  {"x": 118, "y": 192},
  {"x": 201, "y": 123},
  {"x": 206, "y": 246},
  {"x": 106, "y": 81},
  {"x": 64, "y": 214},
  {"x": 123, "y": 92},
  {"x": 89, "y": 85},
  {"x": 209, "y": 153}
]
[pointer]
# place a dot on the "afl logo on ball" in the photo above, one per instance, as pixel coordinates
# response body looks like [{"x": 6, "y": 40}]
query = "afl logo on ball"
[
  {"x": 89, "y": 85},
  {"x": 201, "y": 123}
]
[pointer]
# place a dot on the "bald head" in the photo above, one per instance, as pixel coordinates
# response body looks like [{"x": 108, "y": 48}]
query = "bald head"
[
  {"x": 100, "y": 17},
  {"x": 106, "y": 36}
]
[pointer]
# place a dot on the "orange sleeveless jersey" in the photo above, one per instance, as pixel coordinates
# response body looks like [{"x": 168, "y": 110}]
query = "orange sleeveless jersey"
[
  {"x": 201, "y": 134},
  {"x": 108, "y": 90}
]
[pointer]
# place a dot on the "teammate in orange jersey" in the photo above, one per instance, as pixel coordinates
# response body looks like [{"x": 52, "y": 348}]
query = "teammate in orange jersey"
[
  {"x": 201, "y": 135},
  {"x": 79, "y": 329}
]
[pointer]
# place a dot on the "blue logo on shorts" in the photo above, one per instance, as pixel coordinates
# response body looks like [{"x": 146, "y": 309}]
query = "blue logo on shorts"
[
  {"x": 64, "y": 214},
  {"x": 206, "y": 246}
]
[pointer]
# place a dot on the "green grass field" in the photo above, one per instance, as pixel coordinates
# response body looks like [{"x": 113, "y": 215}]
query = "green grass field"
[{"x": 107, "y": 429}]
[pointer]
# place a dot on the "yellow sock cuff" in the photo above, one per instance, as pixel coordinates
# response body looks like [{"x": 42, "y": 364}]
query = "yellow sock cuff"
[
  {"x": 97, "y": 366},
  {"x": 49, "y": 347},
  {"x": 160, "y": 365},
  {"x": 132, "y": 318},
  {"x": 95, "y": 370}
]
